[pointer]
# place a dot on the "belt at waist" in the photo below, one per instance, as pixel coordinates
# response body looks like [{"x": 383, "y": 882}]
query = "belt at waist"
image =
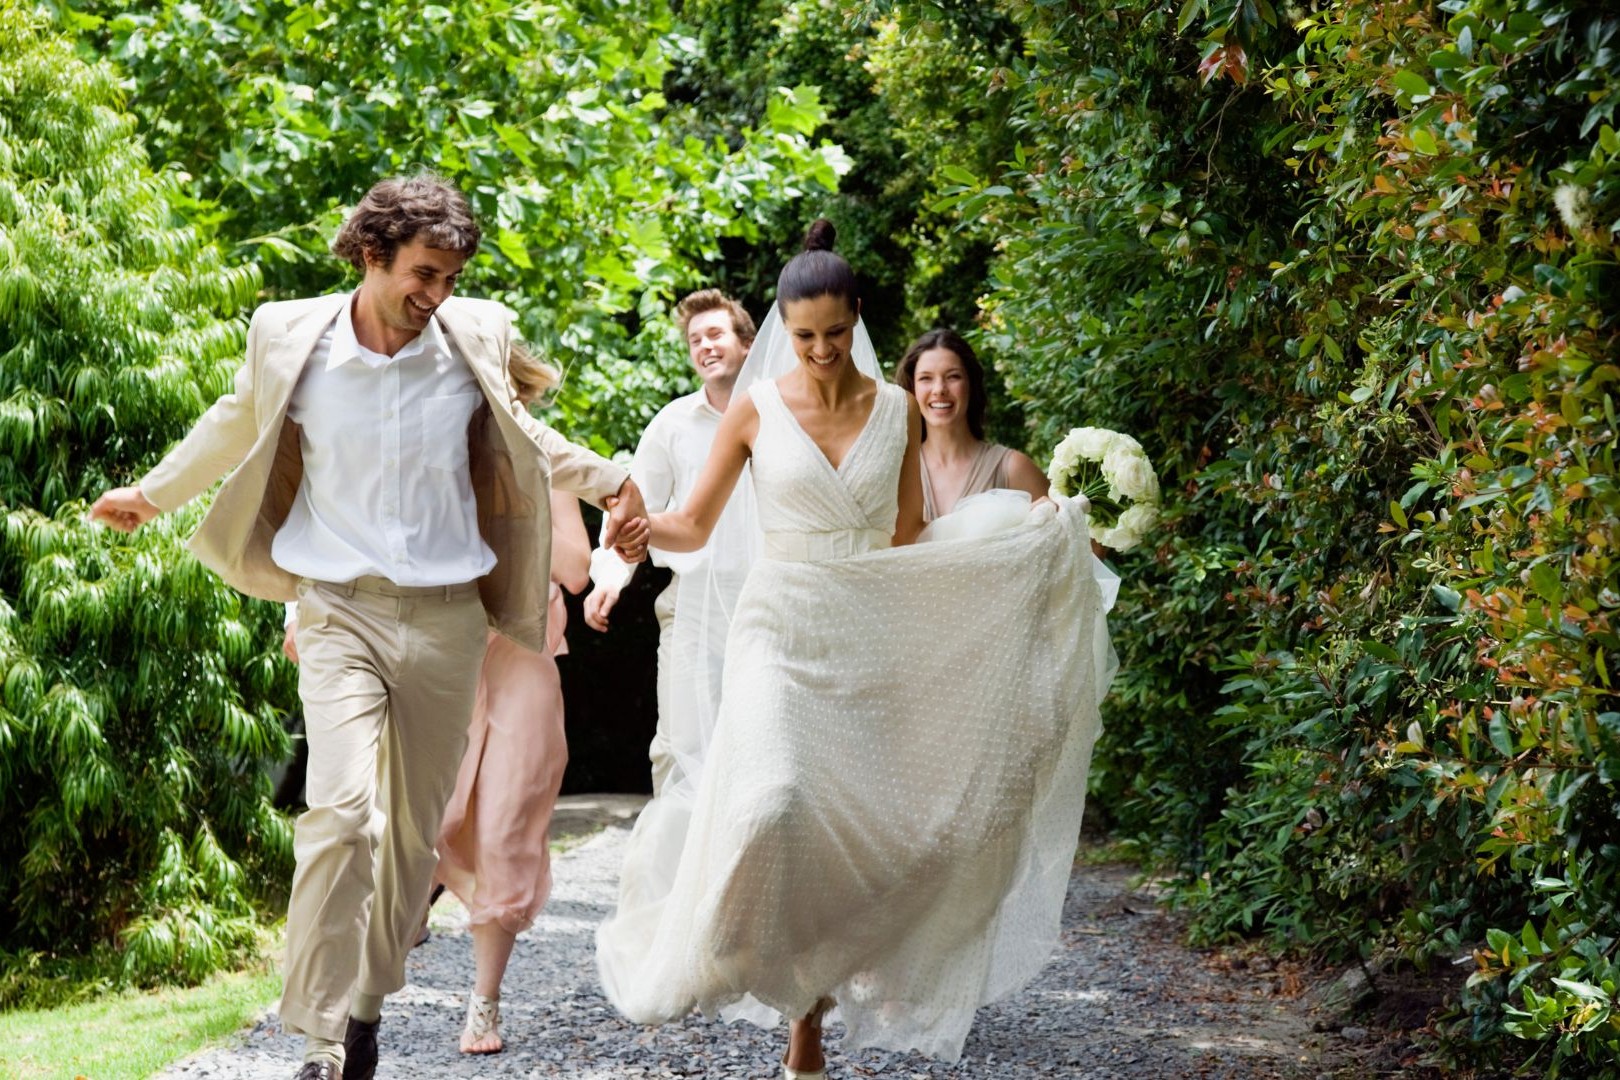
[
  {"x": 381, "y": 586},
  {"x": 819, "y": 546}
]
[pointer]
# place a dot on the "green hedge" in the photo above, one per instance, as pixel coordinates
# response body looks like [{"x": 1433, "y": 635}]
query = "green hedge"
[
  {"x": 1349, "y": 271},
  {"x": 138, "y": 696}
]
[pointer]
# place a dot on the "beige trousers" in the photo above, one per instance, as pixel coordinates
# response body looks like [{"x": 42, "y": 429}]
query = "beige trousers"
[
  {"x": 659, "y": 752},
  {"x": 387, "y": 677}
]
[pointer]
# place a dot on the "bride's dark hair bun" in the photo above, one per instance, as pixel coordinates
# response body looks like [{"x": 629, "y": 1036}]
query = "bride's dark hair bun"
[
  {"x": 818, "y": 270},
  {"x": 820, "y": 235}
]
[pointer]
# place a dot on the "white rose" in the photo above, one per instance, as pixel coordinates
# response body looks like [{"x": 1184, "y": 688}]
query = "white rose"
[
  {"x": 1118, "y": 441},
  {"x": 1139, "y": 519},
  {"x": 1065, "y": 459},
  {"x": 1115, "y": 539},
  {"x": 1130, "y": 475},
  {"x": 1090, "y": 443},
  {"x": 1131, "y": 529}
]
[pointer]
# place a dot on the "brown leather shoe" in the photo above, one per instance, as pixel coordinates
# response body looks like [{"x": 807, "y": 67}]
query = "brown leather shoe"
[
  {"x": 317, "y": 1070},
  {"x": 360, "y": 1050}
]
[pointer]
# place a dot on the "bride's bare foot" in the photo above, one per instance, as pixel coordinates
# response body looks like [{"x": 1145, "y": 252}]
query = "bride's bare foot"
[
  {"x": 804, "y": 1055},
  {"x": 482, "y": 1035}
]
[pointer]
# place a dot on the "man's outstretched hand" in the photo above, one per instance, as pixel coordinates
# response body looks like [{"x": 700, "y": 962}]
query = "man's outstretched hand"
[
  {"x": 626, "y": 529},
  {"x": 124, "y": 509}
]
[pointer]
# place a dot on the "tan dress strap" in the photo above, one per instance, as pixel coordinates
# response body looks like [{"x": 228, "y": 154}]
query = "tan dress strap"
[
  {"x": 929, "y": 513},
  {"x": 993, "y": 460},
  {"x": 989, "y": 470}
]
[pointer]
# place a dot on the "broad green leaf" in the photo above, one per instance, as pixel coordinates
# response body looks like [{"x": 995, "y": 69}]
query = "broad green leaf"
[
  {"x": 1413, "y": 85},
  {"x": 1544, "y": 579},
  {"x": 1501, "y": 733}
]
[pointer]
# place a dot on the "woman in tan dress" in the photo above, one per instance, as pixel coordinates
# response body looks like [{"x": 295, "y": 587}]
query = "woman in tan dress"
[
  {"x": 941, "y": 371},
  {"x": 494, "y": 847}
]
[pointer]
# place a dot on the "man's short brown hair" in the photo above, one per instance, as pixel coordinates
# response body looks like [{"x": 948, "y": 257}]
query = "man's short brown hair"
[
  {"x": 712, "y": 300},
  {"x": 405, "y": 208}
]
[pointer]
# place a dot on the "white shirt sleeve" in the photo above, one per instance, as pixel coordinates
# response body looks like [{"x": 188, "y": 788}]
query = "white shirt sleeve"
[
  {"x": 653, "y": 466},
  {"x": 610, "y": 572}
]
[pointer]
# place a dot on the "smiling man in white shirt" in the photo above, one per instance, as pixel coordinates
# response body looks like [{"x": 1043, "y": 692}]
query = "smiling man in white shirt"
[
  {"x": 668, "y": 459},
  {"x": 383, "y": 474}
]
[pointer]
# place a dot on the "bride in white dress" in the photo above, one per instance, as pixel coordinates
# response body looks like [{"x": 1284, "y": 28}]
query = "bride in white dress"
[{"x": 889, "y": 803}]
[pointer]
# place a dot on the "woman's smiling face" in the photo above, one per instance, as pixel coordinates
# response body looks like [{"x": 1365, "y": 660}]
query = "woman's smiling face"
[
  {"x": 822, "y": 329},
  {"x": 940, "y": 383}
]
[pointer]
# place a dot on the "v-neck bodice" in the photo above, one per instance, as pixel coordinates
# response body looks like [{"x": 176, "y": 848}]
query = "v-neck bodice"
[{"x": 801, "y": 495}]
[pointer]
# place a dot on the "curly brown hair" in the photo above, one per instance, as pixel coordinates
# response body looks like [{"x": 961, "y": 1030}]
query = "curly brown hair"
[
  {"x": 711, "y": 300},
  {"x": 405, "y": 208}
]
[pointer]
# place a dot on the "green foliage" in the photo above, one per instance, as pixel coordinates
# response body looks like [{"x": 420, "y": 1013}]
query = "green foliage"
[
  {"x": 1349, "y": 274},
  {"x": 137, "y": 694},
  {"x": 893, "y": 105},
  {"x": 598, "y": 209}
]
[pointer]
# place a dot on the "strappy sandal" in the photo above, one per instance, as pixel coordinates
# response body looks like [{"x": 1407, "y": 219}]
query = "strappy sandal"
[{"x": 483, "y": 1021}]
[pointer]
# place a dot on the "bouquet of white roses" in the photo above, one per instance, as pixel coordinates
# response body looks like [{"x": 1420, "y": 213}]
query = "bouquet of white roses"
[{"x": 1111, "y": 470}]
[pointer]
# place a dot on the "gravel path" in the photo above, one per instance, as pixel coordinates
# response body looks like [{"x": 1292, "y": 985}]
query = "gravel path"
[{"x": 1121, "y": 998}]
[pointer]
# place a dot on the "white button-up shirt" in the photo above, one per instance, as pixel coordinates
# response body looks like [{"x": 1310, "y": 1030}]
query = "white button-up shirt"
[
  {"x": 386, "y": 488},
  {"x": 669, "y": 458}
]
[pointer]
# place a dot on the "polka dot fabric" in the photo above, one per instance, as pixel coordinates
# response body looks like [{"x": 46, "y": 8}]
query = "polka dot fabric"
[{"x": 893, "y": 792}]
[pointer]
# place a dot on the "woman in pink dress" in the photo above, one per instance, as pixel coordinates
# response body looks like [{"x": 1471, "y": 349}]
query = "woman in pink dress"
[
  {"x": 941, "y": 371},
  {"x": 494, "y": 847}
]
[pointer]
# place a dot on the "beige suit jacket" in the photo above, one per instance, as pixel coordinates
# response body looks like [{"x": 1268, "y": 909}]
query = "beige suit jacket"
[{"x": 514, "y": 459}]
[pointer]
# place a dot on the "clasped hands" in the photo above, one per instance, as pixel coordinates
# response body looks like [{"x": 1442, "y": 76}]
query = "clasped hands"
[{"x": 626, "y": 529}]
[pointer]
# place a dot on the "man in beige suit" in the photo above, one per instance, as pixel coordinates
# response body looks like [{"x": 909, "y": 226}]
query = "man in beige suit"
[{"x": 383, "y": 474}]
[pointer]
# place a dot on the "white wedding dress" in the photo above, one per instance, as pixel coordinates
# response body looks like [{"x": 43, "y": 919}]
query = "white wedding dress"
[{"x": 890, "y": 801}]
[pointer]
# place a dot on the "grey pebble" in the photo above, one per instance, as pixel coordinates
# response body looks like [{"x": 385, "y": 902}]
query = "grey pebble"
[{"x": 1123, "y": 999}]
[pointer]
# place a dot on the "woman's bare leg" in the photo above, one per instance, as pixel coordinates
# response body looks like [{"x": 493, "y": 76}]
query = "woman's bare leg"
[
  {"x": 804, "y": 1040},
  {"x": 492, "y": 948}
]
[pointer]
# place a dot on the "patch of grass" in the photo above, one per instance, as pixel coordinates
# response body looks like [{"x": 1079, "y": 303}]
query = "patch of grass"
[
  {"x": 131, "y": 1035},
  {"x": 1104, "y": 851}
]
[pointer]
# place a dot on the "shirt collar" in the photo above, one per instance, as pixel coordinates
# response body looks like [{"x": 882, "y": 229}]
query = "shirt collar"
[
  {"x": 346, "y": 347},
  {"x": 701, "y": 406}
]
